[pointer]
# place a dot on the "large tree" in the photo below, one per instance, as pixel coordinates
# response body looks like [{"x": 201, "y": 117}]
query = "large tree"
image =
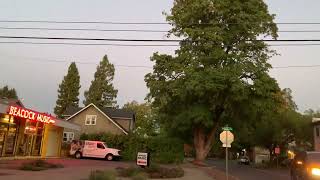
[
  {"x": 145, "y": 123},
  {"x": 101, "y": 91},
  {"x": 220, "y": 68},
  {"x": 7, "y": 92},
  {"x": 68, "y": 92}
]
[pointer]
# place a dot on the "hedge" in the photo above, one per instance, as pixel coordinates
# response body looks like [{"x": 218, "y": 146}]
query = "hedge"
[{"x": 162, "y": 149}]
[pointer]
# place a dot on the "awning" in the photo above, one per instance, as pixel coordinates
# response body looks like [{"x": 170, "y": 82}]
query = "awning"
[{"x": 66, "y": 124}]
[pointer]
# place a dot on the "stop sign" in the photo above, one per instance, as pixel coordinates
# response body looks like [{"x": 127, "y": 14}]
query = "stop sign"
[{"x": 226, "y": 137}]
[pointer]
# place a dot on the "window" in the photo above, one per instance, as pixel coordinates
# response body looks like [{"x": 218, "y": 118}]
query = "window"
[
  {"x": 91, "y": 120},
  {"x": 68, "y": 136},
  {"x": 317, "y": 131},
  {"x": 100, "y": 146}
]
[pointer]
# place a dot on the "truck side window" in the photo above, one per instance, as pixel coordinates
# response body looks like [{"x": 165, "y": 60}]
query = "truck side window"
[{"x": 100, "y": 146}]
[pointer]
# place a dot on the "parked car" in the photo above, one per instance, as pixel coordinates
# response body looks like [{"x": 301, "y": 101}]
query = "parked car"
[
  {"x": 305, "y": 166},
  {"x": 95, "y": 149},
  {"x": 244, "y": 160}
]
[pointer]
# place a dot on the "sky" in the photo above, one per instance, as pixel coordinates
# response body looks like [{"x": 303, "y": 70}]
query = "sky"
[{"x": 35, "y": 71}]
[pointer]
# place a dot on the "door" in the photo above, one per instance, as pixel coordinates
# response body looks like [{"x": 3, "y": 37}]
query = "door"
[
  {"x": 52, "y": 145},
  {"x": 89, "y": 149},
  {"x": 101, "y": 150}
]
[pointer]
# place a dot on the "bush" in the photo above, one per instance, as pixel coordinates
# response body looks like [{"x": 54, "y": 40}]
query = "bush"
[
  {"x": 151, "y": 172},
  {"x": 129, "y": 172},
  {"x": 140, "y": 176},
  {"x": 39, "y": 165},
  {"x": 102, "y": 175},
  {"x": 161, "y": 149}
]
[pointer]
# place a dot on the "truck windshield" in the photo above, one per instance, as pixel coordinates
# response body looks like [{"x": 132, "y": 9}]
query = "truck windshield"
[{"x": 105, "y": 145}]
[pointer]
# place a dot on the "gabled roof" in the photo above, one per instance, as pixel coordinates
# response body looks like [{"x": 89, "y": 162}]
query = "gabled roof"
[
  {"x": 114, "y": 122},
  {"x": 111, "y": 112},
  {"x": 5, "y": 103}
]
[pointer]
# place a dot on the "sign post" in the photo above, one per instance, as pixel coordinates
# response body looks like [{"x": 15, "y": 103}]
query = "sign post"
[{"x": 226, "y": 137}]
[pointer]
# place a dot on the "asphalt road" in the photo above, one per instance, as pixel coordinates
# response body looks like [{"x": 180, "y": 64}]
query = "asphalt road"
[{"x": 245, "y": 172}]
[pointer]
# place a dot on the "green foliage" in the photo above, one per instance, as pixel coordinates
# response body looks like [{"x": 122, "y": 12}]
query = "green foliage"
[
  {"x": 220, "y": 69},
  {"x": 162, "y": 149},
  {"x": 5, "y": 92},
  {"x": 129, "y": 172},
  {"x": 102, "y": 175},
  {"x": 140, "y": 176},
  {"x": 156, "y": 172},
  {"x": 68, "y": 92},
  {"x": 39, "y": 165},
  {"x": 145, "y": 118},
  {"x": 101, "y": 91}
]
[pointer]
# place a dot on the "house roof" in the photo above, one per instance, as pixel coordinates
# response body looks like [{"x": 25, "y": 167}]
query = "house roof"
[
  {"x": 111, "y": 112},
  {"x": 5, "y": 103},
  {"x": 104, "y": 113},
  {"x": 9, "y": 101}
]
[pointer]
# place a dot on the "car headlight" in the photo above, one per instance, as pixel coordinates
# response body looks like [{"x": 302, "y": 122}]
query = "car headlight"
[{"x": 315, "y": 171}]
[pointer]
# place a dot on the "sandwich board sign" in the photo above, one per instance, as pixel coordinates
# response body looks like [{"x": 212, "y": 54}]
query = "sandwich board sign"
[{"x": 143, "y": 159}]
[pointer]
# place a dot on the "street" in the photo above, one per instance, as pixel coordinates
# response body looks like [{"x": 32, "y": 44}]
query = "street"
[{"x": 245, "y": 172}]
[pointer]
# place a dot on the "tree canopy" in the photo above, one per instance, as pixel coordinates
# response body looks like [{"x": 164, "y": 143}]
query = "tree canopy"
[
  {"x": 68, "y": 92},
  {"x": 145, "y": 119},
  {"x": 220, "y": 69},
  {"x": 101, "y": 91},
  {"x": 7, "y": 92}
]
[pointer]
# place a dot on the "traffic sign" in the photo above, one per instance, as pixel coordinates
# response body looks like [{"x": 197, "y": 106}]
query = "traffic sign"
[
  {"x": 226, "y": 137},
  {"x": 226, "y": 128},
  {"x": 277, "y": 150}
]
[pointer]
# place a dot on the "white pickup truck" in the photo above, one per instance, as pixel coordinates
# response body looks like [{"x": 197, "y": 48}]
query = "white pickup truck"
[{"x": 95, "y": 149}]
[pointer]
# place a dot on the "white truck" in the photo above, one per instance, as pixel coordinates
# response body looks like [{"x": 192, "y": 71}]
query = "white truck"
[{"x": 95, "y": 149}]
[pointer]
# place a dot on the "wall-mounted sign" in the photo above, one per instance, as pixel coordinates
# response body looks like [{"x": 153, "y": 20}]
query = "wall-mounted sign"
[
  {"x": 17, "y": 111},
  {"x": 143, "y": 159}
]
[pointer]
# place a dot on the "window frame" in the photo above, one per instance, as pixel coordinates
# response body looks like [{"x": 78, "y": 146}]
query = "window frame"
[
  {"x": 92, "y": 119},
  {"x": 69, "y": 136}
]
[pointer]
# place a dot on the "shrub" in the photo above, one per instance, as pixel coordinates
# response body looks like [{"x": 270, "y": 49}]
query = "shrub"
[
  {"x": 129, "y": 172},
  {"x": 140, "y": 176},
  {"x": 39, "y": 165},
  {"x": 151, "y": 172},
  {"x": 102, "y": 175},
  {"x": 161, "y": 149}
]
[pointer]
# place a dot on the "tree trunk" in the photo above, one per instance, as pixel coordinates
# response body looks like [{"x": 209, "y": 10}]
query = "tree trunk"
[{"x": 202, "y": 144}]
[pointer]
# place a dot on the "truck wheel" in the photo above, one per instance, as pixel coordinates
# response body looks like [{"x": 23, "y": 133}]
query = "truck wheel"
[
  {"x": 78, "y": 155},
  {"x": 109, "y": 157}
]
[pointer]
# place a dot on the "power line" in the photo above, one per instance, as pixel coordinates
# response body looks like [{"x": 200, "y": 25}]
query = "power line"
[
  {"x": 78, "y": 62},
  {"x": 143, "y": 66},
  {"x": 134, "y": 23},
  {"x": 126, "y": 30},
  {"x": 130, "y": 45},
  {"x": 84, "y": 29},
  {"x": 142, "y": 40},
  {"x": 82, "y": 22},
  {"x": 90, "y": 44},
  {"x": 297, "y": 66},
  {"x": 89, "y": 39}
]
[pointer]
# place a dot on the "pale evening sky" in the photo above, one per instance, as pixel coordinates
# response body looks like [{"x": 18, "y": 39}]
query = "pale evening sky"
[{"x": 35, "y": 73}]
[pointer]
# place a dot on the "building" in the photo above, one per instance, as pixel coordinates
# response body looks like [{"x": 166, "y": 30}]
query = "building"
[
  {"x": 316, "y": 133},
  {"x": 28, "y": 133},
  {"x": 92, "y": 119}
]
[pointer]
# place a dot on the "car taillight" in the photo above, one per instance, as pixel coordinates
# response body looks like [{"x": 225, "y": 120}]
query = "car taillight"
[{"x": 315, "y": 171}]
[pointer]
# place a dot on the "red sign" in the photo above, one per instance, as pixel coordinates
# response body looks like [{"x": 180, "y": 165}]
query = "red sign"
[
  {"x": 17, "y": 111},
  {"x": 277, "y": 150}
]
